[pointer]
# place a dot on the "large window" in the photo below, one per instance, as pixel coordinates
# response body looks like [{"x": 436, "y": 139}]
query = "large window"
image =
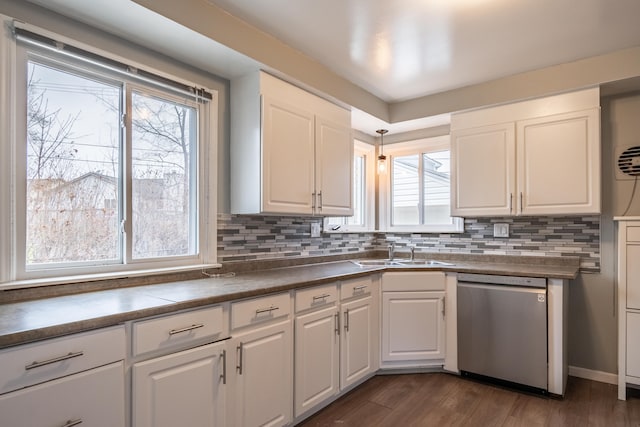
[
  {"x": 363, "y": 194},
  {"x": 416, "y": 190},
  {"x": 109, "y": 167}
]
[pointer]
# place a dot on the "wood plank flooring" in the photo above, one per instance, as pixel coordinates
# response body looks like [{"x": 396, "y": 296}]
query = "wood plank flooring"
[{"x": 439, "y": 399}]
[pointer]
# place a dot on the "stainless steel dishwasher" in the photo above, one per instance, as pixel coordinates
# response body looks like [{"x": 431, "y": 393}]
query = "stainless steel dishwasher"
[{"x": 502, "y": 328}]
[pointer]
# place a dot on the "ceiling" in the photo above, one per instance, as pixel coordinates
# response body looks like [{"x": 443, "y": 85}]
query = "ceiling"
[{"x": 395, "y": 49}]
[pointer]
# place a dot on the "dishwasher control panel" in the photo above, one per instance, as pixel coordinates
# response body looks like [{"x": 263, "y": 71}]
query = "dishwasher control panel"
[{"x": 492, "y": 279}]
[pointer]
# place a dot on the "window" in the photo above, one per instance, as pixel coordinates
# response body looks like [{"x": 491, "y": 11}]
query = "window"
[
  {"x": 416, "y": 191},
  {"x": 109, "y": 167},
  {"x": 363, "y": 193}
]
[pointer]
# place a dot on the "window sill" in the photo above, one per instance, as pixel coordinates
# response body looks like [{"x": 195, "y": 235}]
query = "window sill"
[{"x": 31, "y": 283}]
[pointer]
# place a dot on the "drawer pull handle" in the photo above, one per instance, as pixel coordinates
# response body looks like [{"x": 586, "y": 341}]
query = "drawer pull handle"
[
  {"x": 72, "y": 423},
  {"x": 321, "y": 297},
  {"x": 359, "y": 288},
  {"x": 54, "y": 360},
  {"x": 267, "y": 310},
  {"x": 186, "y": 329}
]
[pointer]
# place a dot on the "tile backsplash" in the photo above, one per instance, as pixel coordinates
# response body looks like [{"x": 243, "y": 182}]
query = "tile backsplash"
[{"x": 254, "y": 237}]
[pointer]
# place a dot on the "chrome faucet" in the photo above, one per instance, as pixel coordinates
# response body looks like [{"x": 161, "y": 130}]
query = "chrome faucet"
[
  {"x": 392, "y": 247},
  {"x": 413, "y": 252}
]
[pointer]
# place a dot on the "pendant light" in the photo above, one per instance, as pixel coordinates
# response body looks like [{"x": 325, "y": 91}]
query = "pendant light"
[{"x": 382, "y": 159}]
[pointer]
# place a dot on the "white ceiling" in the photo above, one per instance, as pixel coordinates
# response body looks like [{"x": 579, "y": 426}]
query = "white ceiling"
[
  {"x": 395, "y": 49},
  {"x": 402, "y": 49}
]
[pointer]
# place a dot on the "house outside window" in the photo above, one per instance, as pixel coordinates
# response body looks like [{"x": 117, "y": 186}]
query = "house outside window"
[
  {"x": 109, "y": 168},
  {"x": 415, "y": 193},
  {"x": 363, "y": 218}
]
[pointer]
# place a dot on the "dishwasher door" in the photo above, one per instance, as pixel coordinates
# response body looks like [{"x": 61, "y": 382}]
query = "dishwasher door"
[{"x": 502, "y": 332}]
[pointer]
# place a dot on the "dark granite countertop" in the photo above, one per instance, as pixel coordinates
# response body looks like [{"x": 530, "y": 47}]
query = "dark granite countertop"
[{"x": 27, "y": 321}]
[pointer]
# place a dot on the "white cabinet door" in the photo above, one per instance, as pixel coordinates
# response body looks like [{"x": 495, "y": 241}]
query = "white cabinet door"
[
  {"x": 633, "y": 344},
  {"x": 334, "y": 168},
  {"x": 92, "y": 398},
  {"x": 559, "y": 164},
  {"x": 287, "y": 158},
  {"x": 263, "y": 380},
  {"x": 632, "y": 270},
  {"x": 359, "y": 330},
  {"x": 317, "y": 358},
  {"x": 184, "y": 388},
  {"x": 483, "y": 171},
  {"x": 412, "y": 326}
]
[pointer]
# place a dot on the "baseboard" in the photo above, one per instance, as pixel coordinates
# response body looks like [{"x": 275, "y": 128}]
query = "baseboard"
[{"x": 589, "y": 374}]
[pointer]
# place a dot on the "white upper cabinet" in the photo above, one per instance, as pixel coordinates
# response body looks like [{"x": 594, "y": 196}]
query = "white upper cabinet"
[
  {"x": 291, "y": 151},
  {"x": 483, "y": 170},
  {"x": 538, "y": 157}
]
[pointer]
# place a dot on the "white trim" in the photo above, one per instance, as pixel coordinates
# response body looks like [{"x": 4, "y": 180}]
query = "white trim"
[
  {"x": 7, "y": 130},
  {"x": 590, "y": 374},
  {"x": 32, "y": 283}
]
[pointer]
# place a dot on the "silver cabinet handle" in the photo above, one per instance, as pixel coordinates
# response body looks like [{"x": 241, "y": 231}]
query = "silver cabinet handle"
[
  {"x": 346, "y": 321},
  {"x": 443, "y": 306},
  {"x": 337, "y": 321},
  {"x": 359, "y": 288},
  {"x": 223, "y": 375},
  {"x": 521, "y": 205},
  {"x": 72, "y": 423},
  {"x": 510, "y": 202},
  {"x": 267, "y": 310},
  {"x": 320, "y": 200},
  {"x": 70, "y": 355},
  {"x": 239, "y": 351},
  {"x": 313, "y": 201},
  {"x": 186, "y": 329},
  {"x": 321, "y": 297}
]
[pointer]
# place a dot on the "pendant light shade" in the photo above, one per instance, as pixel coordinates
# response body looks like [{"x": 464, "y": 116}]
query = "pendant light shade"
[{"x": 382, "y": 159}]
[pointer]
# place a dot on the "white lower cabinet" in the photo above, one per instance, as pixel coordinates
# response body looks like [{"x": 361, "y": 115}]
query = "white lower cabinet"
[
  {"x": 185, "y": 388},
  {"x": 317, "y": 358},
  {"x": 358, "y": 343},
  {"x": 413, "y": 328},
  {"x": 93, "y": 398},
  {"x": 261, "y": 370},
  {"x": 68, "y": 381},
  {"x": 336, "y": 340}
]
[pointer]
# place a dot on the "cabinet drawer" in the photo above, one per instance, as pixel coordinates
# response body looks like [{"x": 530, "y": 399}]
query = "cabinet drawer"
[
  {"x": 413, "y": 281},
  {"x": 35, "y": 363},
  {"x": 91, "y": 398},
  {"x": 178, "y": 330},
  {"x": 356, "y": 288},
  {"x": 258, "y": 310},
  {"x": 633, "y": 234},
  {"x": 316, "y": 297}
]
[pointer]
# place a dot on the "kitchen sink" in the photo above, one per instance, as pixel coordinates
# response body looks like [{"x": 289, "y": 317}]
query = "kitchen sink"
[
  {"x": 374, "y": 262},
  {"x": 425, "y": 262},
  {"x": 399, "y": 262}
]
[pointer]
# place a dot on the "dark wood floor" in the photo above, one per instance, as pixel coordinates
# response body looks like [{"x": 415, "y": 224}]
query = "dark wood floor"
[{"x": 439, "y": 399}]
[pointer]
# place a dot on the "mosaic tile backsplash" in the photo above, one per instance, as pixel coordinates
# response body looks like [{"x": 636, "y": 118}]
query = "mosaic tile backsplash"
[{"x": 254, "y": 237}]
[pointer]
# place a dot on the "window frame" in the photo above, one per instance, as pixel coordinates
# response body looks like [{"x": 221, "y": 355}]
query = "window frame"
[
  {"x": 14, "y": 272},
  {"x": 368, "y": 151},
  {"x": 413, "y": 147}
]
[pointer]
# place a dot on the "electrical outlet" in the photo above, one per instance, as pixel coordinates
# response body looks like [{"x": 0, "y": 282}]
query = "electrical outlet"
[
  {"x": 315, "y": 229},
  {"x": 501, "y": 230}
]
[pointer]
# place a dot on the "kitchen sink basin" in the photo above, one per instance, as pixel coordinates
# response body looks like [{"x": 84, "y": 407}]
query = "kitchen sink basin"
[
  {"x": 374, "y": 262},
  {"x": 425, "y": 262},
  {"x": 399, "y": 262}
]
